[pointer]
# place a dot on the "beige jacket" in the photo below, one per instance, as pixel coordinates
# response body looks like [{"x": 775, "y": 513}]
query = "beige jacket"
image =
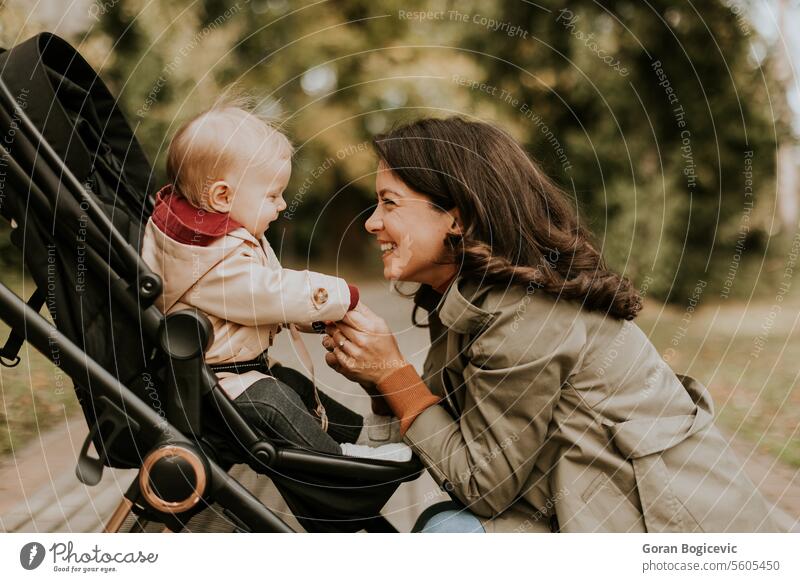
[
  {"x": 554, "y": 417},
  {"x": 238, "y": 282}
]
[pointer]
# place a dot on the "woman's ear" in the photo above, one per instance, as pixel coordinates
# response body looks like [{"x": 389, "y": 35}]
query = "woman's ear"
[
  {"x": 456, "y": 227},
  {"x": 220, "y": 196}
]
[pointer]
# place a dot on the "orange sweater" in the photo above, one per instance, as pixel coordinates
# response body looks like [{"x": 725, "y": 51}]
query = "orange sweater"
[{"x": 407, "y": 395}]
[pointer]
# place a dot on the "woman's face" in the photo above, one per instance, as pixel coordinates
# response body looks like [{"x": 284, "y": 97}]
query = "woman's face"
[{"x": 410, "y": 233}]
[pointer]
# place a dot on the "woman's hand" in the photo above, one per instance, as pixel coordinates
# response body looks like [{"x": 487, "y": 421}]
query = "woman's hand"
[
  {"x": 308, "y": 327},
  {"x": 362, "y": 348}
]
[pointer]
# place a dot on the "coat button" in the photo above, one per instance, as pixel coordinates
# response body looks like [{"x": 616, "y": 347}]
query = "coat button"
[{"x": 320, "y": 296}]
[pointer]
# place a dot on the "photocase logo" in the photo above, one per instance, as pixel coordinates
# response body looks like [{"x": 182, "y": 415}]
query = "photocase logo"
[{"x": 31, "y": 555}]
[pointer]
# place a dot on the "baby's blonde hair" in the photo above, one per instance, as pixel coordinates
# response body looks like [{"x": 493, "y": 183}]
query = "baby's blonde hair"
[{"x": 217, "y": 140}]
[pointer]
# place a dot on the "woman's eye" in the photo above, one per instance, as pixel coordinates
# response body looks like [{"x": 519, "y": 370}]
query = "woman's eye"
[{"x": 387, "y": 202}]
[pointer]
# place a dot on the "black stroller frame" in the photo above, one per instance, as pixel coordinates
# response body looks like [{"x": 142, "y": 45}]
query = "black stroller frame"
[{"x": 157, "y": 406}]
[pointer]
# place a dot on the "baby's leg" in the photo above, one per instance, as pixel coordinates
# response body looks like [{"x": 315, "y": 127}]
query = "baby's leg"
[
  {"x": 344, "y": 425},
  {"x": 279, "y": 412}
]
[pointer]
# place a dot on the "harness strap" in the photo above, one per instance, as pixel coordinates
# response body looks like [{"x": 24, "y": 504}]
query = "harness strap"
[
  {"x": 261, "y": 363},
  {"x": 305, "y": 359}
]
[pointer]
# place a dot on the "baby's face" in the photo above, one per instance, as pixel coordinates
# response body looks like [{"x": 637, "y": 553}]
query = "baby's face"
[{"x": 258, "y": 191}]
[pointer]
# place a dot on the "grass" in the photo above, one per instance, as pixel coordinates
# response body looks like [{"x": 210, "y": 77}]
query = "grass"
[{"x": 34, "y": 395}]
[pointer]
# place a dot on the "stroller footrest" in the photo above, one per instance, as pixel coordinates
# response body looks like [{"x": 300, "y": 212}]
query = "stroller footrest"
[{"x": 347, "y": 468}]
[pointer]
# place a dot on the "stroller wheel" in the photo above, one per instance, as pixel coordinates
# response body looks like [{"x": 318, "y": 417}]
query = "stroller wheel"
[{"x": 173, "y": 478}]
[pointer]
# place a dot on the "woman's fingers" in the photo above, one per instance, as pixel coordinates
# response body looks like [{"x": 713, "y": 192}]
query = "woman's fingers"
[
  {"x": 366, "y": 322},
  {"x": 337, "y": 340},
  {"x": 333, "y": 362},
  {"x": 347, "y": 362},
  {"x": 363, "y": 317},
  {"x": 350, "y": 347},
  {"x": 346, "y": 365},
  {"x": 348, "y": 333},
  {"x": 360, "y": 321},
  {"x": 341, "y": 334},
  {"x": 362, "y": 308}
]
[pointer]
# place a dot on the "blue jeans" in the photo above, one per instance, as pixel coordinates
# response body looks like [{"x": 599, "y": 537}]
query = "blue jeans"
[{"x": 448, "y": 517}]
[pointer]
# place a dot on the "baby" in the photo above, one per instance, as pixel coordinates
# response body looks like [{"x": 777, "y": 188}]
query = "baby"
[{"x": 228, "y": 170}]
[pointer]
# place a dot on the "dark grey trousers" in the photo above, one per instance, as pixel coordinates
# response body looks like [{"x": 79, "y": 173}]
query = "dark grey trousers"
[{"x": 279, "y": 406}]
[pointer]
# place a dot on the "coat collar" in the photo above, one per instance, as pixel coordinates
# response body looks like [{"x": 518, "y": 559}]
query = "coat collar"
[
  {"x": 455, "y": 311},
  {"x": 181, "y": 221}
]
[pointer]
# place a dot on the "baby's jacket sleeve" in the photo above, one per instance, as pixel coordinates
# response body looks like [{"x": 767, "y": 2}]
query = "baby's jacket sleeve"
[{"x": 243, "y": 290}]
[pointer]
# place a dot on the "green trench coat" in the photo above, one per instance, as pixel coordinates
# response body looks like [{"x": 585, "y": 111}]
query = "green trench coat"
[{"x": 554, "y": 418}]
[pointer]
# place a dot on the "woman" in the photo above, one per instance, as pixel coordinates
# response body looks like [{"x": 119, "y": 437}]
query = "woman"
[{"x": 541, "y": 406}]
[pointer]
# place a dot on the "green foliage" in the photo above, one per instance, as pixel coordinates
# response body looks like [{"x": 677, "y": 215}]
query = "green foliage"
[
  {"x": 662, "y": 187},
  {"x": 658, "y": 126}
]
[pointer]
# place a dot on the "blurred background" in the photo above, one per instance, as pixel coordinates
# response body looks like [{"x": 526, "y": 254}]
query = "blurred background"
[{"x": 672, "y": 125}]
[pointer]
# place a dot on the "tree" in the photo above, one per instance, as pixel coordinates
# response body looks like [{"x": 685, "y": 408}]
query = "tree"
[
  {"x": 659, "y": 118},
  {"x": 662, "y": 110}
]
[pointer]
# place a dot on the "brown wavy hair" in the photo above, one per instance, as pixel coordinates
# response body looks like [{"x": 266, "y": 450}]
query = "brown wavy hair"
[{"x": 518, "y": 226}]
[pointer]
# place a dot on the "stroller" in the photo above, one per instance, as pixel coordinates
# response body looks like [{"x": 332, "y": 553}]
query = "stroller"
[{"x": 75, "y": 186}]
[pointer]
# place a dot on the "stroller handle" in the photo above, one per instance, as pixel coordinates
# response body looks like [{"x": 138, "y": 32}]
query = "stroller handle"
[{"x": 150, "y": 284}]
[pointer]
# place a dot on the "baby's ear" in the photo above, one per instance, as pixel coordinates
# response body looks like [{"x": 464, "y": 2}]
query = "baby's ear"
[{"x": 220, "y": 196}]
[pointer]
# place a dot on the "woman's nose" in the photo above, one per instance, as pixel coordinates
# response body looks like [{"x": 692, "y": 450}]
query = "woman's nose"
[{"x": 374, "y": 223}]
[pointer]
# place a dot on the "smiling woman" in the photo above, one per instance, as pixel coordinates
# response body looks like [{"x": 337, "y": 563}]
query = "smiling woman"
[
  {"x": 541, "y": 406},
  {"x": 400, "y": 212}
]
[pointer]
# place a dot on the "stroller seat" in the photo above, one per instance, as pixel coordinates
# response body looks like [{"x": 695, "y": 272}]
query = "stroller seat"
[{"x": 77, "y": 194}]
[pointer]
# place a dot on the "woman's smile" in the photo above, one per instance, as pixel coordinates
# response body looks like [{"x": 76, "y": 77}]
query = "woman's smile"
[{"x": 386, "y": 248}]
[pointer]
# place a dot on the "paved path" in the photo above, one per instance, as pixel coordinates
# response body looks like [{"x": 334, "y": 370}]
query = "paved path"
[{"x": 40, "y": 493}]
